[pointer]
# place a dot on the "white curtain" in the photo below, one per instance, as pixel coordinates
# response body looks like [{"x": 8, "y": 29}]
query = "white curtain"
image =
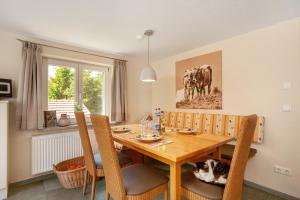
[
  {"x": 119, "y": 92},
  {"x": 29, "y": 99}
]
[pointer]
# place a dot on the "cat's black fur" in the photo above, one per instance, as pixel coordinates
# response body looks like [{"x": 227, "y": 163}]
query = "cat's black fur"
[{"x": 219, "y": 170}]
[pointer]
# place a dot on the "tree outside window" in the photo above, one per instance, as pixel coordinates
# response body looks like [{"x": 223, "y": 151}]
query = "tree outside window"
[{"x": 61, "y": 87}]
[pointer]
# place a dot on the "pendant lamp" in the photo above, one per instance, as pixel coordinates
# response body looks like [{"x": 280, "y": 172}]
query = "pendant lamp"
[{"x": 148, "y": 74}]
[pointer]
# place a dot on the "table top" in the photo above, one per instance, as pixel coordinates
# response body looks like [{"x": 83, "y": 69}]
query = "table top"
[{"x": 181, "y": 148}]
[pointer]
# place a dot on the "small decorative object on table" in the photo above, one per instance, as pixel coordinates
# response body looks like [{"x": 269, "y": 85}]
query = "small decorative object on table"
[
  {"x": 162, "y": 121},
  {"x": 157, "y": 120},
  {"x": 146, "y": 122},
  {"x": 64, "y": 120},
  {"x": 50, "y": 118}
]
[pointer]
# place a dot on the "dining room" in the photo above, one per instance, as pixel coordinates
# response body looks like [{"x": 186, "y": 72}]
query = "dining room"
[{"x": 140, "y": 100}]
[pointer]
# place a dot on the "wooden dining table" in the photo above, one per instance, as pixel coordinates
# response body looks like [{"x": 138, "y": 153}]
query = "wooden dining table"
[{"x": 182, "y": 148}]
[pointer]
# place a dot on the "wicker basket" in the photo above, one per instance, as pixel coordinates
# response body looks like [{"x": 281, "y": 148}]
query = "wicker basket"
[{"x": 71, "y": 178}]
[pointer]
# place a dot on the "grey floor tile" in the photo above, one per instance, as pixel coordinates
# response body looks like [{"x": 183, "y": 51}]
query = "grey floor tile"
[
  {"x": 51, "y": 184},
  {"x": 272, "y": 197},
  {"x": 64, "y": 194},
  {"x": 32, "y": 191},
  {"x": 51, "y": 189},
  {"x": 100, "y": 190},
  {"x": 253, "y": 194}
]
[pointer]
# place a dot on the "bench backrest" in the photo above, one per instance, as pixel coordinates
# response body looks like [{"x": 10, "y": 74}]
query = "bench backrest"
[{"x": 219, "y": 124}]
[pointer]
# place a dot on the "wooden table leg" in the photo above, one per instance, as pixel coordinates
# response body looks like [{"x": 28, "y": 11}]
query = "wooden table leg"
[
  {"x": 217, "y": 153},
  {"x": 175, "y": 181}
]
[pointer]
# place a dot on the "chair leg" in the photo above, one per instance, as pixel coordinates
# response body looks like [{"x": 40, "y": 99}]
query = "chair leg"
[
  {"x": 93, "y": 188},
  {"x": 107, "y": 196},
  {"x": 166, "y": 195},
  {"x": 85, "y": 181}
]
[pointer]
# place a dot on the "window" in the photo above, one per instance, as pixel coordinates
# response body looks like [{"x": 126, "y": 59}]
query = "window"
[{"x": 73, "y": 84}]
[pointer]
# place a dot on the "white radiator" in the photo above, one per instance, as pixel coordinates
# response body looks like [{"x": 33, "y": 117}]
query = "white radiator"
[{"x": 51, "y": 149}]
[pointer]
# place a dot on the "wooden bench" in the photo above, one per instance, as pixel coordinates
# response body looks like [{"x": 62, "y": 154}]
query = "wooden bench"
[
  {"x": 228, "y": 149},
  {"x": 218, "y": 124}
]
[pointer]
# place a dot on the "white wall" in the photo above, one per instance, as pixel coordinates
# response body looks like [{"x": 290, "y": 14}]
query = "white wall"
[
  {"x": 255, "y": 65},
  {"x": 139, "y": 98}
]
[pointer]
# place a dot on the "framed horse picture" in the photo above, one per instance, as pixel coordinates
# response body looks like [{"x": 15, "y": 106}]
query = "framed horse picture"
[{"x": 199, "y": 82}]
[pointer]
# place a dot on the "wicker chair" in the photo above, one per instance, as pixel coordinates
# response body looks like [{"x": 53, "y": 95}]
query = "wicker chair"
[
  {"x": 93, "y": 161},
  {"x": 134, "y": 182},
  {"x": 194, "y": 189}
]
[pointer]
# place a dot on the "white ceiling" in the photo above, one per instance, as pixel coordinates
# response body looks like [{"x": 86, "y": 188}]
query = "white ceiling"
[{"x": 112, "y": 25}]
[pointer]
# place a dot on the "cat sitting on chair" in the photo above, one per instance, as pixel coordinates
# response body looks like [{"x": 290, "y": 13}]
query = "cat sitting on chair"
[{"x": 212, "y": 171}]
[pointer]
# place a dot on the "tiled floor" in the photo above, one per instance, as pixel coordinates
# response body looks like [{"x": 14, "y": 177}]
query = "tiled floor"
[{"x": 51, "y": 189}]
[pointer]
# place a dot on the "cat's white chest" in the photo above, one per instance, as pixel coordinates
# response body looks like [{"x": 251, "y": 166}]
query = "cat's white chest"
[{"x": 207, "y": 174}]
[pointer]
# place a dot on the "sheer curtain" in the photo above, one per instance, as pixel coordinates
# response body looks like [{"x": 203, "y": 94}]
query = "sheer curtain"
[
  {"x": 29, "y": 99},
  {"x": 119, "y": 92}
]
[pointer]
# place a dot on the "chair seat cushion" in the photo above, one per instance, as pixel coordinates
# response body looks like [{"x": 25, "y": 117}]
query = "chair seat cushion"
[
  {"x": 140, "y": 178},
  {"x": 123, "y": 159},
  {"x": 209, "y": 191},
  {"x": 228, "y": 149}
]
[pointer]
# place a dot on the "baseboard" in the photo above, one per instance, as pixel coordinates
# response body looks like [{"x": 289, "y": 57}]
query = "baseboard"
[
  {"x": 3, "y": 194},
  {"x": 271, "y": 191},
  {"x": 34, "y": 179}
]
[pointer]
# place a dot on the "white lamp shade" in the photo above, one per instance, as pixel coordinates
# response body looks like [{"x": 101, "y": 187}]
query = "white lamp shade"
[{"x": 148, "y": 75}]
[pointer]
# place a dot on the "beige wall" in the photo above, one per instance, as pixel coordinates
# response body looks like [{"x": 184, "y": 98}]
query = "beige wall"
[
  {"x": 139, "y": 93},
  {"x": 18, "y": 147},
  {"x": 10, "y": 63},
  {"x": 255, "y": 65}
]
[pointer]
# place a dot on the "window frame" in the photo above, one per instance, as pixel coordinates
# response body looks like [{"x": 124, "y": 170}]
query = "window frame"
[
  {"x": 105, "y": 90},
  {"x": 79, "y": 67}
]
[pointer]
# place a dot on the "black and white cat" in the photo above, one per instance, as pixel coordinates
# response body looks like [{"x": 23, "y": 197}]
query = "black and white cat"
[{"x": 212, "y": 171}]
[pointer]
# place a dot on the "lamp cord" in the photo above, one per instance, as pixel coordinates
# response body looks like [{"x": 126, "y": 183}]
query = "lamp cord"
[{"x": 148, "y": 52}]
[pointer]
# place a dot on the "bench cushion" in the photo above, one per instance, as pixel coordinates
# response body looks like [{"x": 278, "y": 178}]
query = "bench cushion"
[{"x": 218, "y": 124}]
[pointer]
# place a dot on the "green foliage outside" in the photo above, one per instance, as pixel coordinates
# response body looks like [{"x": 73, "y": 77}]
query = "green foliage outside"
[
  {"x": 92, "y": 91},
  {"x": 62, "y": 86}
]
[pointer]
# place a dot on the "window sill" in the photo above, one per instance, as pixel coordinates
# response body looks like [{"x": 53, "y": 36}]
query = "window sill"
[
  {"x": 65, "y": 128},
  {"x": 59, "y": 129}
]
